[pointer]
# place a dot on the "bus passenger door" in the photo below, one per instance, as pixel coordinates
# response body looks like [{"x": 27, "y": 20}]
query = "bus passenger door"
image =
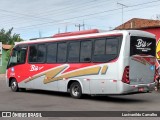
[{"x": 17, "y": 63}]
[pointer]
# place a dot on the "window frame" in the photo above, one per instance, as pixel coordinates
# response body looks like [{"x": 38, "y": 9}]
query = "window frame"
[
  {"x": 78, "y": 41},
  {"x": 37, "y": 45},
  {"x": 26, "y": 54},
  {"x": 58, "y": 50},
  {"x": 67, "y": 42},
  {"x": 47, "y": 52},
  {"x": 119, "y": 38},
  {"x": 86, "y": 40}
]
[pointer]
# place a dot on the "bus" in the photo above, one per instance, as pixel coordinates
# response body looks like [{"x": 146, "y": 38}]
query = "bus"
[{"x": 93, "y": 62}]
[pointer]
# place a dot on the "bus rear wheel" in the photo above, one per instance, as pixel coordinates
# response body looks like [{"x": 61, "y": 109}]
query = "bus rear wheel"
[
  {"x": 76, "y": 90},
  {"x": 14, "y": 85}
]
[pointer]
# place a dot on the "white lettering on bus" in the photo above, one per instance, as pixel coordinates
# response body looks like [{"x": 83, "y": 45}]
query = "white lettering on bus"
[
  {"x": 142, "y": 43},
  {"x": 35, "y": 68}
]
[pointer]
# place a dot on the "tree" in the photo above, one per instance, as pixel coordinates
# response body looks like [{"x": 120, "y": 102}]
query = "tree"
[{"x": 6, "y": 37}]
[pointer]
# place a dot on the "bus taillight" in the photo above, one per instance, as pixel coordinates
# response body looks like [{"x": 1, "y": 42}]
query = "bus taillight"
[{"x": 125, "y": 77}]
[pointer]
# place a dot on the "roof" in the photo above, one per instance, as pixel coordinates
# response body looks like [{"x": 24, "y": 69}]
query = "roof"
[
  {"x": 138, "y": 23},
  {"x": 89, "y": 36},
  {"x": 76, "y": 33},
  {"x": 6, "y": 47}
]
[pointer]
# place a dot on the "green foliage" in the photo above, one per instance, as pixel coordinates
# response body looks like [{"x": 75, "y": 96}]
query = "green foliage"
[
  {"x": 8, "y": 53},
  {"x": 6, "y": 37}
]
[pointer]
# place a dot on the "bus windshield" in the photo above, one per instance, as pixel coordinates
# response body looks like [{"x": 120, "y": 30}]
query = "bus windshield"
[
  {"x": 18, "y": 56},
  {"x": 142, "y": 46}
]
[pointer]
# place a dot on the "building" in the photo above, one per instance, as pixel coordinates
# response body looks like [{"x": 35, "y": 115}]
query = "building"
[
  {"x": 152, "y": 26},
  {"x": 3, "y": 52}
]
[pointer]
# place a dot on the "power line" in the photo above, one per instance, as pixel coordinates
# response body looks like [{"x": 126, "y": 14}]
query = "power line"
[
  {"x": 111, "y": 10},
  {"x": 82, "y": 7},
  {"x": 123, "y": 5},
  {"x": 30, "y": 16},
  {"x": 149, "y": 6},
  {"x": 89, "y": 14},
  {"x": 37, "y": 17}
]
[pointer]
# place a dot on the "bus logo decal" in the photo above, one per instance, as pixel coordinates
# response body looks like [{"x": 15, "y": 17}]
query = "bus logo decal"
[
  {"x": 82, "y": 72},
  {"x": 57, "y": 73},
  {"x": 142, "y": 43},
  {"x": 36, "y": 68}
]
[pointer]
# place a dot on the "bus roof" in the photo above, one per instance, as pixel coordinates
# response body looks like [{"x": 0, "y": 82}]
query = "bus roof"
[
  {"x": 89, "y": 35},
  {"x": 83, "y": 32}
]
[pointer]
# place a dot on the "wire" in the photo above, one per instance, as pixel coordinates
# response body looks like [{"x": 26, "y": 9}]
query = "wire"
[
  {"x": 111, "y": 10},
  {"x": 33, "y": 16}
]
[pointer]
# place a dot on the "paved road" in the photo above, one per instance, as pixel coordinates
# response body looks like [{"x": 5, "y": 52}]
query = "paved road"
[{"x": 36, "y": 100}]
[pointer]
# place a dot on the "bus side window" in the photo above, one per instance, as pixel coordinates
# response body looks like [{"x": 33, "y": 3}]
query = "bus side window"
[
  {"x": 73, "y": 51},
  {"x": 111, "y": 46},
  {"x": 21, "y": 56},
  {"x": 99, "y": 48},
  {"x": 106, "y": 49},
  {"x": 62, "y": 52},
  {"x": 86, "y": 51},
  {"x": 33, "y": 53},
  {"x": 41, "y": 55},
  {"x": 51, "y": 53}
]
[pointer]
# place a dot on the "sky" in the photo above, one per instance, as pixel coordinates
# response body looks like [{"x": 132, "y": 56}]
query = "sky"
[{"x": 44, "y": 18}]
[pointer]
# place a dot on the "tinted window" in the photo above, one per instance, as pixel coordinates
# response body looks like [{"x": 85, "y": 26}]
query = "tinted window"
[
  {"x": 106, "y": 49},
  {"x": 41, "y": 53},
  {"x": 37, "y": 53},
  {"x": 51, "y": 53},
  {"x": 73, "y": 52},
  {"x": 111, "y": 46},
  {"x": 18, "y": 56},
  {"x": 21, "y": 56},
  {"x": 33, "y": 53},
  {"x": 62, "y": 52},
  {"x": 99, "y": 47},
  {"x": 142, "y": 45},
  {"x": 86, "y": 51}
]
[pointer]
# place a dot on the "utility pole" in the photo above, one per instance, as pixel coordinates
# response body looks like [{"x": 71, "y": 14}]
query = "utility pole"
[
  {"x": 66, "y": 28},
  {"x": 79, "y": 26},
  {"x": 59, "y": 30},
  {"x": 123, "y": 5},
  {"x": 40, "y": 34},
  {"x": 83, "y": 25}
]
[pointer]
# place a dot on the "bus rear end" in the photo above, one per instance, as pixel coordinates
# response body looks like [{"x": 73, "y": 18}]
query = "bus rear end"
[{"x": 138, "y": 76}]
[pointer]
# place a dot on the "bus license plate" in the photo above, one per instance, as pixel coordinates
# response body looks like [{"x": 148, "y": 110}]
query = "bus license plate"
[{"x": 140, "y": 89}]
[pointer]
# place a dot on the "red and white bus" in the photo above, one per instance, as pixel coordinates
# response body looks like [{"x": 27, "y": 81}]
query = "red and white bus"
[{"x": 88, "y": 62}]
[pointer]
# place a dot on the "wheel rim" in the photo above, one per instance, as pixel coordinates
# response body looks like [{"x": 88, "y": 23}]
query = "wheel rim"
[
  {"x": 14, "y": 86},
  {"x": 75, "y": 90}
]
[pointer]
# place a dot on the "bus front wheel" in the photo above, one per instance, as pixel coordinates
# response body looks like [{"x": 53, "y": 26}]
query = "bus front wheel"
[
  {"x": 76, "y": 90},
  {"x": 14, "y": 85}
]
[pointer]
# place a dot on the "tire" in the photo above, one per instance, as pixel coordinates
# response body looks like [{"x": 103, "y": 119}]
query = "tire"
[
  {"x": 76, "y": 90},
  {"x": 14, "y": 85}
]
